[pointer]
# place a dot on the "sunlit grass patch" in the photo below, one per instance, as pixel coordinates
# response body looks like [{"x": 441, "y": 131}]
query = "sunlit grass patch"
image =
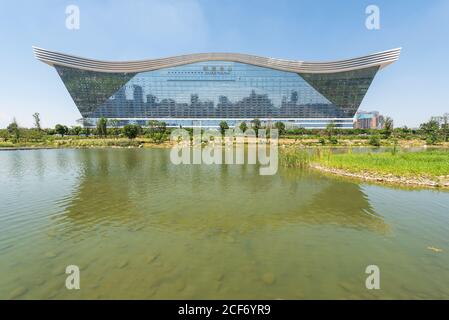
[{"x": 407, "y": 164}]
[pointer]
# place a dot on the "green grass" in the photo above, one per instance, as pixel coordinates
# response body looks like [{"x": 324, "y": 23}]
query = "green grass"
[
  {"x": 407, "y": 164},
  {"x": 404, "y": 164}
]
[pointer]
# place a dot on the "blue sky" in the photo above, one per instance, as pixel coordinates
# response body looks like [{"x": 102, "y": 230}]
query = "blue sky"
[{"x": 410, "y": 91}]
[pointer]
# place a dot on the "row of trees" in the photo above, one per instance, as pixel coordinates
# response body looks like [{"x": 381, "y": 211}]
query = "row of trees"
[
  {"x": 255, "y": 124},
  {"x": 156, "y": 130},
  {"x": 433, "y": 131}
]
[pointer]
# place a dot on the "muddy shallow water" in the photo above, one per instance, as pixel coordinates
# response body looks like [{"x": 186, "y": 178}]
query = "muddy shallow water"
[{"x": 140, "y": 227}]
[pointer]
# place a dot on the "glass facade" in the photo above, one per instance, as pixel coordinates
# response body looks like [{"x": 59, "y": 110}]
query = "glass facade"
[
  {"x": 205, "y": 93},
  {"x": 91, "y": 89}
]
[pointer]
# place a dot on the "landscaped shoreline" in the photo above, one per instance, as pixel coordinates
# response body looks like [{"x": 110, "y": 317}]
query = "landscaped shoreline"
[
  {"x": 421, "y": 168},
  {"x": 116, "y": 142},
  {"x": 381, "y": 178},
  {"x": 82, "y": 143}
]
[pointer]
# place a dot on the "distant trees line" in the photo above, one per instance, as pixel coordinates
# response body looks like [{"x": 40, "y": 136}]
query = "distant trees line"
[
  {"x": 156, "y": 130},
  {"x": 432, "y": 131}
]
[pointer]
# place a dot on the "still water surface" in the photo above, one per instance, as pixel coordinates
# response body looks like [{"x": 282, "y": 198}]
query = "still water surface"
[{"x": 140, "y": 227}]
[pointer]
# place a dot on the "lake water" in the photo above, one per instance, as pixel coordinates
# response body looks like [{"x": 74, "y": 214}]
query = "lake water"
[{"x": 140, "y": 227}]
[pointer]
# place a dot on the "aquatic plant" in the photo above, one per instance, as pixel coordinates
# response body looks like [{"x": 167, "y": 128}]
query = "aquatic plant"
[{"x": 294, "y": 158}]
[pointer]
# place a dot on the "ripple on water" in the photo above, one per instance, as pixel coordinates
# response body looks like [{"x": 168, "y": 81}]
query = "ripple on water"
[{"x": 139, "y": 227}]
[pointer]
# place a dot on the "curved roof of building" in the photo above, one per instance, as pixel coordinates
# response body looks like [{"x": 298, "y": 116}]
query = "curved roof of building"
[{"x": 380, "y": 59}]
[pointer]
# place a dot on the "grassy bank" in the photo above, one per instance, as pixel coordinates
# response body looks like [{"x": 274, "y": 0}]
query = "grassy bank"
[
  {"x": 409, "y": 164},
  {"x": 429, "y": 168},
  {"x": 55, "y": 141},
  {"x": 83, "y": 142}
]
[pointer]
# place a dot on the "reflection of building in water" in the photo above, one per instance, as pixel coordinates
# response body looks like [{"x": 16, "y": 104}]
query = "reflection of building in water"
[
  {"x": 213, "y": 87},
  {"x": 144, "y": 188},
  {"x": 344, "y": 204}
]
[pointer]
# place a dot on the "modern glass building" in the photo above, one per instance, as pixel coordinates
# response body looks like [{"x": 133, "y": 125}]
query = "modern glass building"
[{"x": 205, "y": 89}]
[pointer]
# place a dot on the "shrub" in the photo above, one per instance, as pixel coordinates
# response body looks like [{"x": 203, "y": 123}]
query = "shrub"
[
  {"x": 131, "y": 131},
  {"x": 333, "y": 140},
  {"x": 431, "y": 139},
  {"x": 158, "y": 137},
  {"x": 374, "y": 141},
  {"x": 61, "y": 129},
  {"x": 281, "y": 127}
]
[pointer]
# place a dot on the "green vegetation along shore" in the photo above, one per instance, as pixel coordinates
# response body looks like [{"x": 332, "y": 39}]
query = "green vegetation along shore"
[
  {"x": 423, "y": 168},
  {"x": 52, "y": 142},
  {"x": 108, "y": 133},
  {"x": 429, "y": 168}
]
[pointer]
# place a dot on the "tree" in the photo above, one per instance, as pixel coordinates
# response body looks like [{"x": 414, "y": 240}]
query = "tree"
[
  {"x": 157, "y": 130},
  {"x": 85, "y": 131},
  {"x": 4, "y": 135},
  {"x": 50, "y": 131},
  {"x": 102, "y": 127},
  {"x": 158, "y": 137},
  {"x": 37, "y": 121},
  {"x": 430, "y": 130},
  {"x": 33, "y": 135},
  {"x": 156, "y": 126},
  {"x": 330, "y": 128},
  {"x": 61, "y": 129},
  {"x": 223, "y": 127},
  {"x": 13, "y": 129},
  {"x": 445, "y": 128},
  {"x": 243, "y": 126},
  {"x": 256, "y": 124},
  {"x": 280, "y": 126},
  {"x": 299, "y": 131},
  {"x": 76, "y": 130},
  {"x": 114, "y": 123},
  {"x": 131, "y": 131},
  {"x": 388, "y": 126}
]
